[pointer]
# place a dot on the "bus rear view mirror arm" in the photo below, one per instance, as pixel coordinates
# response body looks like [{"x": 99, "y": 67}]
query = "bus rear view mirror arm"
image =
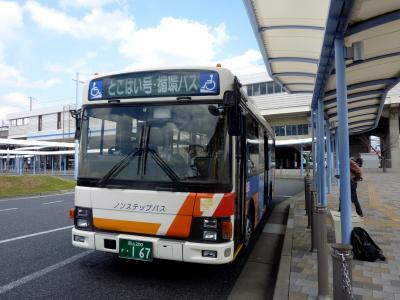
[{"x": 77, "y": 115}]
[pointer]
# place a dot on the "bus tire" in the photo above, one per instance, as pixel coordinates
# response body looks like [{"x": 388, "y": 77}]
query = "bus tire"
[{"x": 249, "y": 231}]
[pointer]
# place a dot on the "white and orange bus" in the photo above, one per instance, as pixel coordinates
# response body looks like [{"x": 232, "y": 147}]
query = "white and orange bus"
[{"x": 174, "y": 164}]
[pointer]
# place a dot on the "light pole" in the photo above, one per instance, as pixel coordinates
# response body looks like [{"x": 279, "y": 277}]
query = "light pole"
[
  {"x": 30, "y": 103},
  {"x": 76, "y": 157}
]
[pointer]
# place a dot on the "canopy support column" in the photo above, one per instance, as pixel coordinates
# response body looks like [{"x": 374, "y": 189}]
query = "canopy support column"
[
  {"x": 337, "y": 155},
  {"x": 313, "y": 148},
  {"x": 328, "y": 159},
  {"x": 65, "y": 164},
  {"x": 301, "y": 161},
  {"x": 343, "y": 129},
  {"x": 321, "y": 154}
]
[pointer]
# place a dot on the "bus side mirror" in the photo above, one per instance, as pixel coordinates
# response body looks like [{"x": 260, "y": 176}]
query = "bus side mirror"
[{"x": 76, "y": 114}]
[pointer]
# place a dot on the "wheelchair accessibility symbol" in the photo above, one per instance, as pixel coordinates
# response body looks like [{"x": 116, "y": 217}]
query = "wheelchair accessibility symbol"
[
  {"x": 209, "y": 83},
  {"x": 96, "y": 89}
]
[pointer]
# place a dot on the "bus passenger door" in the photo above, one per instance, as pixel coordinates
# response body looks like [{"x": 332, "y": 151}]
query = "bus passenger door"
[
  {"x": 240, "y": 187},
  {"x": 267, "y": 200}
]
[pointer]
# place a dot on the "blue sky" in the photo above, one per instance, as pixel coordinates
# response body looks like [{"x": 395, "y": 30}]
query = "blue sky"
[{"x": 44, "y": 43}]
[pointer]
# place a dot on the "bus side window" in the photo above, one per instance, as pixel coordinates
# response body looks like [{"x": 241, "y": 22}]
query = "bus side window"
[
  {"x": 261, "y": 154},
  {"x": 253, "y": 147}
]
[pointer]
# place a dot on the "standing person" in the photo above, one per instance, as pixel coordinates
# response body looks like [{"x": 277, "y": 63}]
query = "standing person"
[
  {"x": 355, "y": 177},
  {"x": 359, "y": 160}
]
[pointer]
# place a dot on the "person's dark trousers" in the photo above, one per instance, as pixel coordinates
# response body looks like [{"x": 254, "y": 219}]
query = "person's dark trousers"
[{"x": 354, "y": 198}]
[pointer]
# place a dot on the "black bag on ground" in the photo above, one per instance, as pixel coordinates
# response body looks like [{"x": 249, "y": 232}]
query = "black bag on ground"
[{"x": 364, "y": 248}]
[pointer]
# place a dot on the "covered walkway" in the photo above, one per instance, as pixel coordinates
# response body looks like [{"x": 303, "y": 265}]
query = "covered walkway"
[
  {"x": 35, "y": 157},
  {"x": 347, "y": 54}
]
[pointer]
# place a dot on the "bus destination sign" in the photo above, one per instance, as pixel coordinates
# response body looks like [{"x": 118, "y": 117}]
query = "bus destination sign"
[{"x": 155, "y": 84}]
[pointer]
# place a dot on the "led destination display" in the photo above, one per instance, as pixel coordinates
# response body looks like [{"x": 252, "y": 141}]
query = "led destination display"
[{"x": 155, "y": 84}]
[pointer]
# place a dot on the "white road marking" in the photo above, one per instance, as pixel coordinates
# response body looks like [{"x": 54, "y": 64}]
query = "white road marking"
[
  {"x": 283, "y": 196},
  {"x": 34, "y": 234},
  {"x": 40, "y": 273},
  {"x": 39, "y": 196},
  {"x": 59, "y": 201},
  {"x": 8, "y": 209}
]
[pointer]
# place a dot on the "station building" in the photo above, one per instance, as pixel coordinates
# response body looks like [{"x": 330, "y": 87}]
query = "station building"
[{"x": 288, "y": 114}]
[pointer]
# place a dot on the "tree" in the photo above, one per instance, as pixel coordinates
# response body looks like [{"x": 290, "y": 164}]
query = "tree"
[{"x": 385, "y": 146}]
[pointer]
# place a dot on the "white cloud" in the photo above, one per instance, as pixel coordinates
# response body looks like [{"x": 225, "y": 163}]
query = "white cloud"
[
  {"x": 11, "y": 20},
  {"x": 80, "y": 65},
  {"x": 54, "y": 67},
  {"x": 41, "y": 84},
  {"x": 84, "y": 3},
  {"x": 174, "y": 42},
  {"x": 91, "y": 54},
  {"x": 8, "y": 73},
  {"x": 110, "y": 26},
  {"x": 248, "y": 63},
  {"x": 12, "y": 103},
  {"x": 12, "y": 76}
]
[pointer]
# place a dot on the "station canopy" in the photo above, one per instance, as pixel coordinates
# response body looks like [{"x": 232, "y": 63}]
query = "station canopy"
[{"x": 296, "y": 39}]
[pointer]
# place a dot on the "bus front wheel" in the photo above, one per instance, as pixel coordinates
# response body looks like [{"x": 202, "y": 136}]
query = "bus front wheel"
[
  {"x": 249, "y": 231},
  {"x": 249, "y": 227}
]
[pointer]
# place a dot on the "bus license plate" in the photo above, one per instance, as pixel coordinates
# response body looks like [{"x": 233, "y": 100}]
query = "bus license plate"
[{"x": 138, "y": 250}]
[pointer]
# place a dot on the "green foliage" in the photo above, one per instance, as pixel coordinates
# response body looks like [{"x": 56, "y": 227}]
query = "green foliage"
[{"x": 32, "y": 185}]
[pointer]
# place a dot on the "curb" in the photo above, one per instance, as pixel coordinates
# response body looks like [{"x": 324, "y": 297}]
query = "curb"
[
  {"x": 59, "y": 192},
  {"x": 290, "y": 177},
  {"x": 281, "y": 291}
]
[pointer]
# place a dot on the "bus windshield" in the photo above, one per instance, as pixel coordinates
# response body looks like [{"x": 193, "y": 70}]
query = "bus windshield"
[{"x": 155, "y": 143}]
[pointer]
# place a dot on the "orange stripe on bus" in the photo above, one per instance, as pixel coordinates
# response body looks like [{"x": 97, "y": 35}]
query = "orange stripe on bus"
[
  {"x": 226, "y": 207},
  {"x": 180, "y": 227},
  {"x": 126, "y": 226},
  {"x": 187, "y": 206}
]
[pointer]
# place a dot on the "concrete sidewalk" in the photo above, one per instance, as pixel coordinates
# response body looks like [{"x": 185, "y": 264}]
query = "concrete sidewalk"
[
  {"x": 379, "y": 195},
  {"x": 258, "y": 277}
]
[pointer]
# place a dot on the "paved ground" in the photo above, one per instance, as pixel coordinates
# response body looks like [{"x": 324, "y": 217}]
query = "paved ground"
[
  {"x": 38, "y": 261},
  {"x": 379, "y": 198}
]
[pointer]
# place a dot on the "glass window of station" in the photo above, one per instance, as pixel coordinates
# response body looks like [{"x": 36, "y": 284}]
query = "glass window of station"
[
  {"x": 289, "y": 130},
  {"x": 19, "y": 122},
  {"x": 263, "y": 88}
]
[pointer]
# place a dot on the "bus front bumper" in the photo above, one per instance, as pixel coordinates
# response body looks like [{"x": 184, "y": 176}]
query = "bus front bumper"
[{"x": 162, "y": 248}]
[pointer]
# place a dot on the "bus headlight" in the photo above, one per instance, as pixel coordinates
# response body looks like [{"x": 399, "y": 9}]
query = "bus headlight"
[
  {"x": 82, "y": 223},
  {"x": 210, "y": 223},
  {"x": 83, "y": 218},
  {"x": 209, "y": 235}
]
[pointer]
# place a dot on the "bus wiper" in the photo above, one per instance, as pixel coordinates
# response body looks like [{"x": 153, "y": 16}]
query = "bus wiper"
[
  {"x": 163, "y": 165},
  {"x": 159, "y": 161},
  {"x": 119, "y": 166}
]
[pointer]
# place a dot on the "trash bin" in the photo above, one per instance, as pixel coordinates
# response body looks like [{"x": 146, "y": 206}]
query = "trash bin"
[{"x": 335, "y": 218}]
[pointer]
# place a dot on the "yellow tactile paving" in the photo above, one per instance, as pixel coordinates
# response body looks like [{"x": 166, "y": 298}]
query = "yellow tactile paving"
[{"x": 372, "y": 197}]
